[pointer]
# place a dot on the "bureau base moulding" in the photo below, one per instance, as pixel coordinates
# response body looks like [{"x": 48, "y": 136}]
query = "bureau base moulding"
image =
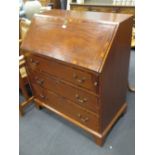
[{"x": 98, "y": 137}]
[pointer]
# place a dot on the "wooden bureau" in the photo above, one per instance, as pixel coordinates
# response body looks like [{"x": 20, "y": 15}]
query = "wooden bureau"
[{"x": 77, "y": 64}]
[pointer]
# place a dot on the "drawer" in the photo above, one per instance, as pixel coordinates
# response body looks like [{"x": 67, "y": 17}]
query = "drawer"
[
  {"x": 67, "y": 73},
  {"x": 70, "y": 109},
  {"x": 74, "y": 94}
]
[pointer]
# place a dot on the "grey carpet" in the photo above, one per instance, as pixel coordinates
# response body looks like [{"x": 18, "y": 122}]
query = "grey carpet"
[{"x": 44, "y": 133}]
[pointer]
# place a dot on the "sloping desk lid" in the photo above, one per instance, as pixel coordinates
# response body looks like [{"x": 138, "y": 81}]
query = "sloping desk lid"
[{"x": 73, "y": 37}]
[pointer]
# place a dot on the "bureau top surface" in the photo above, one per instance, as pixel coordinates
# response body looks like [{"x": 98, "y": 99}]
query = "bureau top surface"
[{"x": 80, "y": 38}]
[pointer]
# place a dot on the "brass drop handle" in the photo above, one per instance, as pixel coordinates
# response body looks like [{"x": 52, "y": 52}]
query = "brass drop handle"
[
  {"x": 34, "y": 62},
  {"x": 57, "y": 81},
  {"x": 83, "y": 119},
  {"x": 43, "y": 96},
  {"x": 79, "y": 99},
  {"x": 79, "y": 80},
  {"x": 39, "y": 81},
  {"x": 95, "y": 83}
]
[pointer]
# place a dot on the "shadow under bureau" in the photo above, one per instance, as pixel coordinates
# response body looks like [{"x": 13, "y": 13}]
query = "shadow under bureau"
[{"x": 77, "y": 64}]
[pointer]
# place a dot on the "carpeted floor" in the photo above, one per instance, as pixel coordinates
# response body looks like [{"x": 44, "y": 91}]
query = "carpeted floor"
[{"x": 44, "y": 133}]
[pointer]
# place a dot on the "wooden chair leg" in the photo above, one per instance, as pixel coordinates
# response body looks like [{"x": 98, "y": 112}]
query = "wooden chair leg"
[
  {"x": 24, "y": 104},
  {"x": 23, "y": 88},
  {"x": 26, "y": 96},
  {"x": 21, "y": 110}
]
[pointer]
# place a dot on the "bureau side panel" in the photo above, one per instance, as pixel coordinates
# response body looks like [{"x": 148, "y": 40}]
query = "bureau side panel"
[{"x": 114, "y": 76}]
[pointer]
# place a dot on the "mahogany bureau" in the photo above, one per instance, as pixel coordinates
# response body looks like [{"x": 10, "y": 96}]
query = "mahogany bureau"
[{"x": 77, "y": 65}]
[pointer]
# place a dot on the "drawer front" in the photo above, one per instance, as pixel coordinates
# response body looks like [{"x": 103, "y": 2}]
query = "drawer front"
[
  {"x": 81, "y": 98},
  {"x": 70, "y": 109},
  {"x": 75, "y": 76}
]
